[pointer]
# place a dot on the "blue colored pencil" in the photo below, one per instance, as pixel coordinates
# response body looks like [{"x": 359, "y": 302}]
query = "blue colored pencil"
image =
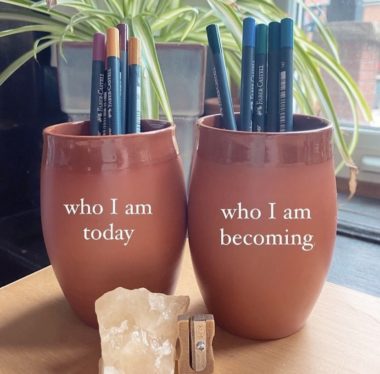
[
  {"x": 113, "y": 81},
  {"x": 134, "y": 89},
  {"x": 123, "y": 39},
  {"x": 105, "y": 123},
  {"x": 273, "y": 115},
  {"x": 286, "y": 75}
]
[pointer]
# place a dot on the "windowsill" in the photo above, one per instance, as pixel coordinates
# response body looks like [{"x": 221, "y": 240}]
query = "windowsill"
[{"x": 359, "y": 217}]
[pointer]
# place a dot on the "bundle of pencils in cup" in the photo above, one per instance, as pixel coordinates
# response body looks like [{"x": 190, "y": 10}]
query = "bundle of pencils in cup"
[
  {"x": 266, "y": 94},
  {"x": 116, "y": 83}
]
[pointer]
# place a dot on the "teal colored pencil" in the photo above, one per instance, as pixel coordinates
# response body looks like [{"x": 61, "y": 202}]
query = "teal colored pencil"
[{"x": 260, "y": 81}]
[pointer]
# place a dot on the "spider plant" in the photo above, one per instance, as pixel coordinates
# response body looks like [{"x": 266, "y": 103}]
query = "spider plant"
[{"x": 176, "y": 21}]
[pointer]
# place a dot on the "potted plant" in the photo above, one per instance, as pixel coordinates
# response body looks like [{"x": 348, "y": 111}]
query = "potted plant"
[{"x": 176, "y": 21}]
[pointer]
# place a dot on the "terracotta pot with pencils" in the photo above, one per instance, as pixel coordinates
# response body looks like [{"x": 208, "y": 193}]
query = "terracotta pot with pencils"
[
  {"x": 113, "y": 200},
  {"x": 262, "y": 224},
  {"x": 113, "y": 210},
  {"x": 262, "y": 200}
]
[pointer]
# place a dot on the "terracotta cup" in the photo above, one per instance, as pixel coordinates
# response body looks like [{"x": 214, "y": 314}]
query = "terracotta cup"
[
  {"x": 136, "y": 180},
  {"x": 262, "y": 224}
]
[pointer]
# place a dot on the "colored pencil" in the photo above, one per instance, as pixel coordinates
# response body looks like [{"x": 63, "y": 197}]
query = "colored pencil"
[
  {"x": 123, "y": 39},
  {"x": 220, "y": 75},
  {"x": 247, "y": 75},
  {"x": 97, "y": 84},
  {"x": 105, "y": 125},
  {"x": 260, "y": 79},
  {"x": 286, "y": 75},
  {"x": 273, "y": 115},
  {"x": 113, "y": 81},
  {"x": 134, "y": 88}
]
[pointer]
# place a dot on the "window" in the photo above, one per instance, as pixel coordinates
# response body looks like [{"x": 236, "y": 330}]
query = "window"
[{"x": 356, "y": 28}]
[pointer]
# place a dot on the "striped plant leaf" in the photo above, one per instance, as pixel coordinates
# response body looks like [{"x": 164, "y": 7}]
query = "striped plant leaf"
[
  {"x": 167, "y": 18},
  {"x": 230, "y": 18},
  {"x": 175, "y": 21},
  {"x": 142, "y": 30},
  {"x": 16, "y": 64}
]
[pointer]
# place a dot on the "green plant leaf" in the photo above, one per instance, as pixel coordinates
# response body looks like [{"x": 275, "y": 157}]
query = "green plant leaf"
[
  {"x": 162, "y": 6},
  {"x": 350, "y": 98},
  {"x": 301, "y": 99},
  {"x": 31, "y": 28},
  {"x": 230, "y": 19},
  {"x": 133, "y": 7},
  {"x": 168, "y": 17},
  {"x": 175, "y": 20},
  {"x": 189, "y": 26},
  {"x": 263, "y": 11},
  {"x": 328, "y": 107},
  {"x": 150, "y": 106},
  {"x": 142, "y": 30},
  {"x": 180, "y": 28},
  {"x": 37, "y": 18},
  {"x": 69, "y": 30},
  {"x": 116, "y": 8},
  {"x": 27, "y": 4},
  {"x": 150, "y": 5},
  {"x": 339, "y": 73},
  {"x": 324, "y": 31},
  {"x": 234, "y": 63},
  {"x": 6, "y": 73},
  {"x": 79, "y": 5},
  {"x": 304, "y": 94},
  {"x": 206, "y": 18}
]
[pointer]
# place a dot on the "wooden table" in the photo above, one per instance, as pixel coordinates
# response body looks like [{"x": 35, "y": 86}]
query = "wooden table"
[{"x": 40, "y": 334}]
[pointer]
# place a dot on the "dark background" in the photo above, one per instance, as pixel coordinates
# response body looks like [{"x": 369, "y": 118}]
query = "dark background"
[{"x": 28, "y": 103}]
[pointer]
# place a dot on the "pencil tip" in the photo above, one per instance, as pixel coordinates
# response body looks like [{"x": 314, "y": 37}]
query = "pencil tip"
[
  {"x": 249, "y": 32},
  {"x": 261, "y": 38},
  {"x": 134, "y": 51},
  {"x": 98, "y": 47},
  {"x": 123, "y": 35},
  {"x": 287, "y": 33},
  {"x": 213, "y": 37},
  {"x": 113, "y": 42}
]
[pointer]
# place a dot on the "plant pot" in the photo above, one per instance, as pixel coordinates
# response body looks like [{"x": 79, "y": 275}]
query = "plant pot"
[
  {"x": 262, "y": 288},
  {"x": 183, "y": 67},
  {"x": 144, "y": 173}
]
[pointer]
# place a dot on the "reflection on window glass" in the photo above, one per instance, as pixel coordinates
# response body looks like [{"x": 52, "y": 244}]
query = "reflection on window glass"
[{"x": 356, "y": 27}]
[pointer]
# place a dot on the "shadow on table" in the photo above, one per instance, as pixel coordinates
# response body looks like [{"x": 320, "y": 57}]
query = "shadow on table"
[
  {"x": 47, "y": 330},
  {"x": 275, "y": 355},
  {"x": 43, "y": 332},
  {"x": 45, "y": 326}
]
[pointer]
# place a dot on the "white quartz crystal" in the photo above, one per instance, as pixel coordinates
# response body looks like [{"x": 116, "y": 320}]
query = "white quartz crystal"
[{"x": 138, "y": 331}]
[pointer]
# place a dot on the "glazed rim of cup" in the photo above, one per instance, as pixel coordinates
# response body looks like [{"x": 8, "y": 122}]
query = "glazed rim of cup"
[
  {"x": 51, "y": 130},
  {"x": 326, "y": 126}
]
